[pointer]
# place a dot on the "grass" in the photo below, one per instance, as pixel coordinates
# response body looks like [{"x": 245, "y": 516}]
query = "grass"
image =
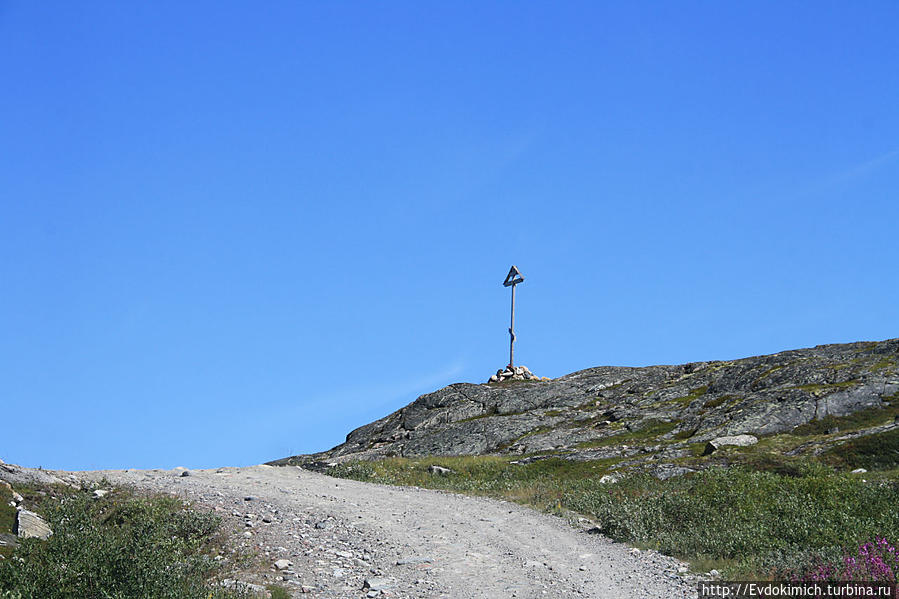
[
  {"x": 278, "y": 592},
  {"x": 693, "y": 395},
  {"x": 7, "y": 519},
  {"x": 767, "y": 514},
  {"x": 858, "y": 420},
  {"x": 827, "y": 387},
  {"x": 720, "y": 401},
  {"x": 881, "y": 365},
  {"x": 741, "y": 517},
  {"x": 540, "y": 483},
  {"x": 879, "y": 451},
  {"x": 121, "y": 546},
  {"x": 651, "y": 430}
]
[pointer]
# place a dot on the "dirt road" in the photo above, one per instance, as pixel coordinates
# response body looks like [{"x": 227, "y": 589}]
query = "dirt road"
[{"x": 408, "y": 542}]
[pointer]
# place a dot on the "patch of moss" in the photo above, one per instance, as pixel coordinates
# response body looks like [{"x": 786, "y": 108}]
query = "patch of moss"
[
  {"x": 490, "y": 412},
  {"x": 278, "y": 592},
  {"x": 775, "y": 463},
  {"x": 7, "y": 518},
  {"x": 881, "y": 365},
  {"x": 7, "y": 512},
  {"x": 768, "y": 373},
  {"x": 879, "y": 451},
  {"x": 685, "y": 434},
  {"x": 693, "y": 395},
  {"x": 855, "y": 421},
  {"x": 828, "y": 387},
  {"x": 697, "y": 449},
  {"x": 719, "y": 401},
  {"x": 652, "y": 429}
]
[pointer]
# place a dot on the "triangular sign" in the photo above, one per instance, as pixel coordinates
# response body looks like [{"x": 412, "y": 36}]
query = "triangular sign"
[{"x": 513, "y": 278}]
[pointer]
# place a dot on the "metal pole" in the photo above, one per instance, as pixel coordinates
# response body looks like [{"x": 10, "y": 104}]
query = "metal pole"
[{"x": 512, "y": 333}]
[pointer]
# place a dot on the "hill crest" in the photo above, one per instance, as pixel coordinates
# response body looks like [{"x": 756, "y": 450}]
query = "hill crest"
[{"x": 612, "y": 411}]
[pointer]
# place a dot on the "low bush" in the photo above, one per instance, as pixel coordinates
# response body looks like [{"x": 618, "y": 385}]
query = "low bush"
[
  {"x": 741, "y": 516},
  {"x": 876, "y": 560},
  {"x": 787, "y": 515},
  {"x": 879, "y": 451},
  {"x": 857, "y": 420},
  {"x": 118, "y": 547}
]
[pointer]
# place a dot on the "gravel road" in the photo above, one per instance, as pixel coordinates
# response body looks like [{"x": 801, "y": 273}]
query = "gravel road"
[{"x": 407, "y": 542}]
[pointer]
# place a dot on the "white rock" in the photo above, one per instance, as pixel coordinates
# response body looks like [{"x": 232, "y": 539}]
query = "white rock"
[
  {"x": 30, "y": 525},
  {"x": 607, "y": 479},
  {"x": 100, "y": 493},
  {"x": 736, "y": 440},
  {"x": 434, "y": 469},
  {"x": 283, "y": 564},
  {"x": 859, "y": 471}
]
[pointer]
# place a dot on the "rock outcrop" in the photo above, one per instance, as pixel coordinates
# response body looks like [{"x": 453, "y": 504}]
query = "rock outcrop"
[
  {"x": 608, "y": 411},
  {"x": 30, "y": 525},
  {"x": 736, "y": 440}
]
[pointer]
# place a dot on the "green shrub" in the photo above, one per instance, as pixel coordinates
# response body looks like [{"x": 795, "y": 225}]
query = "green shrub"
[
  {"x": 278, "y": 592},
  {"x": 720, "y": 401},
  {"x": 879, "y": 451},
  {"x": 117, "y": 547},
  {"x": 772, "y": 514},
  {"x": 740, "y": 515},
  {"x": 857, "y": 420}
]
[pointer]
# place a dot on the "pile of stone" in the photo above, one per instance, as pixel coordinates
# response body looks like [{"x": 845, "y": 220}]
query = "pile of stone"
[{"x": 516, "y": 373}]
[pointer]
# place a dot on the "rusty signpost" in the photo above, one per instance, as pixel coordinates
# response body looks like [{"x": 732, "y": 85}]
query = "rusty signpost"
[{"x": 512, "y": 279}]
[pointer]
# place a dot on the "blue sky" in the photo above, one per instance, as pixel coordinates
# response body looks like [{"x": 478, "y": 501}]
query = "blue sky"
[{"x": 232, "y": 232}]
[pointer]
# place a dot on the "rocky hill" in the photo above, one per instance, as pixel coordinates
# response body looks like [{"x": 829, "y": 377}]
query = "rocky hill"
[{"x": 651, "y": 413}]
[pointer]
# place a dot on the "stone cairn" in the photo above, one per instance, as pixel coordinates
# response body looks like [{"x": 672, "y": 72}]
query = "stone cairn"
[{"x": 516, "y": 373}]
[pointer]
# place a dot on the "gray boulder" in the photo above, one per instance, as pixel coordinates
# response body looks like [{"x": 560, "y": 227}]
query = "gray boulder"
[
  {"x": 736, "y": 440},
  {"x": 30, "y": 525}
]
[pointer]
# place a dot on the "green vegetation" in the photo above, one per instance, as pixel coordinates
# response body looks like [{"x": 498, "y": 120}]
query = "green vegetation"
[
  {"x": 118, "y": 547},
  {"x": 720, "y": 401},
  {"x": 768, "y": 373},
  {"x": 278, "y": 592},
  {"x": 881, "y": 365},
  {"x": 7, "y": 519},
  {"x": 651, "y": 430},
  {"x": 540, "y": 483},
  {"x": 879, "y": 451},
  {"x": 685, "y": 434},
  {"x": 741, "y": 517},
  {"x": 769, "y": 513},
  {"x": 694, "y": 394},
  {"x": 857, "y": 420},
  {"x": 827, "y": 388}
]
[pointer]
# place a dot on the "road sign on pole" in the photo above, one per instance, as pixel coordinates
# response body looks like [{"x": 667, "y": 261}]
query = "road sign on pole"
[{"x": 512, "y": 279}]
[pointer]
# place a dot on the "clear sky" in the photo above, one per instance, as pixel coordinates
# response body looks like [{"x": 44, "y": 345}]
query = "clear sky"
[{"x": 234, "y": 231}]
